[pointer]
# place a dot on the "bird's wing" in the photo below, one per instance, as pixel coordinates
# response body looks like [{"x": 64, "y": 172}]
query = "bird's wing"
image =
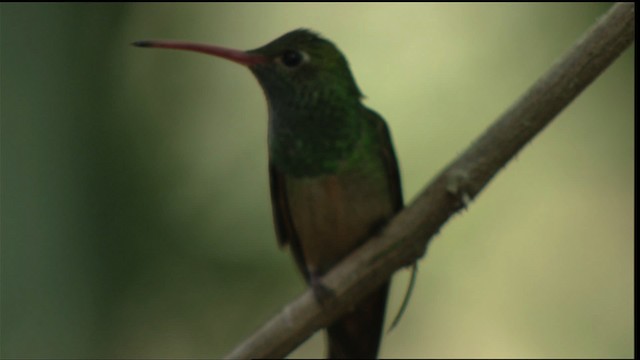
[
  {"x": 393, "y": 175},
  {"x": 389, "y": 159},
  {"x": 285, "y": 231}
]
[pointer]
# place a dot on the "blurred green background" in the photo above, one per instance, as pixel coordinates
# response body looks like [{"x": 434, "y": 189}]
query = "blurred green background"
[{"x": 135, "y": 208}]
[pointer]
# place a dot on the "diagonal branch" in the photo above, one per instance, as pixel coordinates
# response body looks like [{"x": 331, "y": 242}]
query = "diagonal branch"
[{"x": 405, "y": 238}]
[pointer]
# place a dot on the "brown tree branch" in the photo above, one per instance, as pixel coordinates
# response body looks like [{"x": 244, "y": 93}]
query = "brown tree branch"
[{"x": 405, "y": 238}]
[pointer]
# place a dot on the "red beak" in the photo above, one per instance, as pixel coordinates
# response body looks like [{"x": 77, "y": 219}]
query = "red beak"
[{"x": 240, "y": 57}]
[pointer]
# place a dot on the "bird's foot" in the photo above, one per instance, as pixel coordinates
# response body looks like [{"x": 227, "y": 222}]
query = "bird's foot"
[{"x": 322, "y": 293}]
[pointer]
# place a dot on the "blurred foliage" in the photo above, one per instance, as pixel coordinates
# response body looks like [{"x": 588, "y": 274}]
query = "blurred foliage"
[{"x": 135, "y": 209}]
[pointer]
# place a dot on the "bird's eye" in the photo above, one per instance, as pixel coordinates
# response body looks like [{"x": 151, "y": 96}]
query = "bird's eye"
[{"x": 292, "y": 58}]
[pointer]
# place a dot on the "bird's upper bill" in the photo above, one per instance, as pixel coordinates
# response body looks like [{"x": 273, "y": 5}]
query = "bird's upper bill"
[{"x": 237, "y": 56}]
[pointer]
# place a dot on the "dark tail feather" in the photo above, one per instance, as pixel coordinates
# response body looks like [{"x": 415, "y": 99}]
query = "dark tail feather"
[{"x": 357, "y": 334}]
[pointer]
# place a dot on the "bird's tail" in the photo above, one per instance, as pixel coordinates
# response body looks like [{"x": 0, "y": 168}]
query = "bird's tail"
[{"x": 357, "y": 334}]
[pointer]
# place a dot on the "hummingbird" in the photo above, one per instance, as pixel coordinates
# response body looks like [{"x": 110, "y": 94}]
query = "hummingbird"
[{"x": 334, "y": 177}]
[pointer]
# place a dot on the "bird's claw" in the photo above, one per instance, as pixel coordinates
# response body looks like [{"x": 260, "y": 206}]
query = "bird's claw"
[{"x": 322, "y": 293}]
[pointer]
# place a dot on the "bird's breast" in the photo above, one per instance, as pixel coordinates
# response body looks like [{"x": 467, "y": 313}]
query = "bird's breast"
[{"x": 333, "y": 214}]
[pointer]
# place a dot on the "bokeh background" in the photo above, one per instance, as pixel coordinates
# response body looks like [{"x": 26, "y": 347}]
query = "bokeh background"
[{"x": 135, "y": 209}]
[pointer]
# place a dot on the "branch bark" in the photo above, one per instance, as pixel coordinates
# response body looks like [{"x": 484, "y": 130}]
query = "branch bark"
[{"x": 405, "y": 238}]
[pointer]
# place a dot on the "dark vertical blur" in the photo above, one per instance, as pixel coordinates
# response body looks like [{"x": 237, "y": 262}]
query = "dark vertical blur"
[
  {"x": 55, "y": 65},
  {"x": 89, "y": 258}
]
